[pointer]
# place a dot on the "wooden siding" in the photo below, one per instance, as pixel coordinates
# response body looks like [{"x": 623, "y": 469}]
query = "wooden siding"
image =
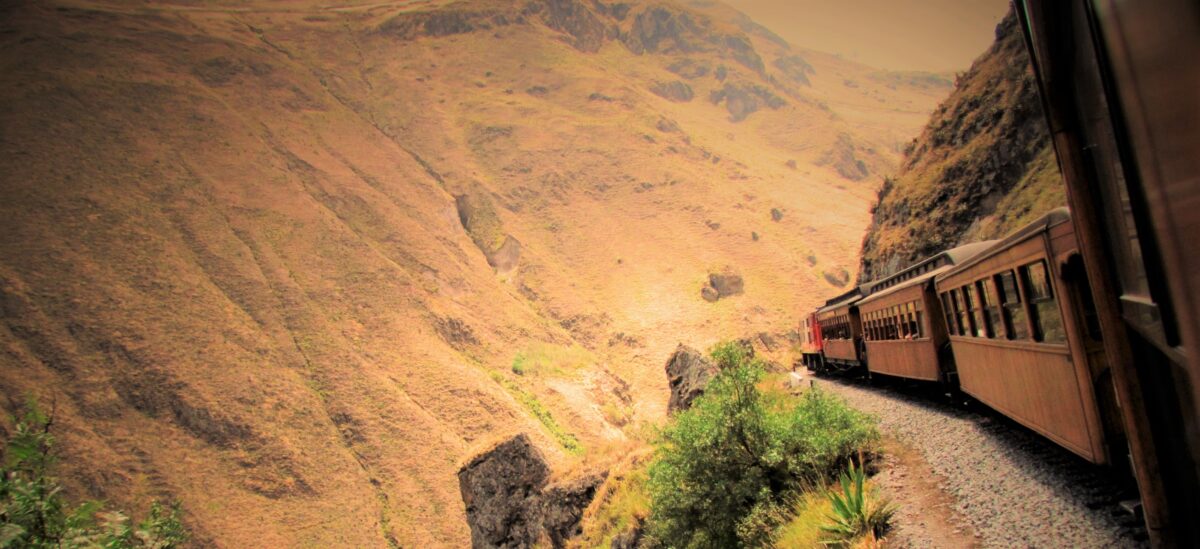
[
  {"x": 911, "y": 358},
  {"x": 916, "y": 358},
  {"x": 840, "y": 349},
  {"x": 1046, "y": 387},
  {"x": 1034, "y": 385}
]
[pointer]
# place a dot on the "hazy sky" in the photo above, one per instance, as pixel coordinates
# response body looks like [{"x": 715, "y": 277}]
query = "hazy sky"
[{"x": 934, "y": 35}]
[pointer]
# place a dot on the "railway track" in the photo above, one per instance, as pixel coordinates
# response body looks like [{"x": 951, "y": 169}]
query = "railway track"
[{"x": 1010, "y": 486}]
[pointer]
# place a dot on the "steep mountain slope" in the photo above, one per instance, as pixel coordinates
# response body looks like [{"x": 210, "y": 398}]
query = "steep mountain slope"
[
  {"x": 290, "y": 264},
  {"x": 983, "y": 166}
]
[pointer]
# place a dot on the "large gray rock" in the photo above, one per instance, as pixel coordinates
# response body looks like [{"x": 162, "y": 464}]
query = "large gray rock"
[
  {"x": 502, "y": 489},
  {"x": 562, "y": 506},
  {"x": 688, "y": 373},
  {"x": 510, "y": 505}
]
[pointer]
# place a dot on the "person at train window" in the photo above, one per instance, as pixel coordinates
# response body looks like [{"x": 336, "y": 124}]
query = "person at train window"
[
  {"x": 1014, "y": 310},
  {"x": 1044, "y": 315}
]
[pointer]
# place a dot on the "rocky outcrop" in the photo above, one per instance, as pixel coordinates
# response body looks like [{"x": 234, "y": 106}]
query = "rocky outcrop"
[
  {"x": 843, "y": 158},
  {"x": 587, "y": 29},
  {"x": 562, "y": 506},
  {"x": 722, "y": 284},
  {"x": 688, "y": 373},
  {"x": 744, "y": 98},
  {"x": 983, "y": 166},
  {"x": 795, "y": 68},
  {"x": 689, "y": 68},
  {"x": 446, "y": 22},
  {"x": 502, "y": 490},
  {"x": 674, "y": 90},
  {"x": 509, "y": 503},
  {"x": 668, "y": 29},
  {"x": 478, "y": 217}
]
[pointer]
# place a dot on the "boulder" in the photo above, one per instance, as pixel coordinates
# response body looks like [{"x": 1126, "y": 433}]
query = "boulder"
[
  {"x": 562, "y": 506},
  {"x": 510, "y": 505},
  {"x": 674, "y": 90},
  {"x": 709, "y": 294},
  {"x": 688, "y": 373},
  {"x": 501, "y": 489},
  {"x": 726, "y": 283}
]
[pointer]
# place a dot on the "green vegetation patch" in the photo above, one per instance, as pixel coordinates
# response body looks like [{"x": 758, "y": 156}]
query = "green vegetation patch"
[
  {"x": 548, "y": 358},
  {"x": 564, "y": 438},
  {"x": 728, "y": 470},
  {"x": 34, "y": 512}
]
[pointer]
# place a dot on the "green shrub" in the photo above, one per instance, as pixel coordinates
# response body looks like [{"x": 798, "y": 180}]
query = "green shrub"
[
  {"x": 34, "y": 513},
  {"x": 728, "y": 467},
  {"x": 855, "y": 512}
]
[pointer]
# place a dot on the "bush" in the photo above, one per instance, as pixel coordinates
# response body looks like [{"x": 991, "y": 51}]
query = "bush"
[
  {"x": 855, "y": 512},
  {"x": 726, "y": 470},
  {"x": 34, "y": 513}
]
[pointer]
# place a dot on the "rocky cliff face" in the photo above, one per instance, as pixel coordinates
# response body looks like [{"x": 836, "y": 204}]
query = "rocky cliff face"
[{"x": 982, "y": 167}]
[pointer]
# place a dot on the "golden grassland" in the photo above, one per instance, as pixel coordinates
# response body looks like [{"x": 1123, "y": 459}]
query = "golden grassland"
[{"x": 230, "y": 251}]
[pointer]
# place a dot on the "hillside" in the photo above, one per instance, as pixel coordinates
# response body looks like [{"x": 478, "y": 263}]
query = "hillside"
[
  {"x": 983, "y": 166},
  {"x": 290, "y": 264}
]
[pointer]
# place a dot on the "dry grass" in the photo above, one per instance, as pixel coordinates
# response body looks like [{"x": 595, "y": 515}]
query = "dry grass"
[{"x": 229, "y": 249}]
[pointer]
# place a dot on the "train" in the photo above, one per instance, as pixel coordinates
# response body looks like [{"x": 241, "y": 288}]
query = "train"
[
  {"x": 1084, "y": 325},
  {"x": 1009, "y": 322}
]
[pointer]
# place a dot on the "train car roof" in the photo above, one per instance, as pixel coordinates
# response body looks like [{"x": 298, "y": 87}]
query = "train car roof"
[
  {"x": 925, "y": 277},
  {"x": 1052, "y": 218},
  {"x": 949, "y": 257},
  {"x": 852, "y": 295}
]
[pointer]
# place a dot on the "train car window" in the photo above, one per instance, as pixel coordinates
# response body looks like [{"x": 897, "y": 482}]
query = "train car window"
[
  {"x": 1010, "y": 301},
  {"x": 901, "y": 323},
  {"x": 957, "y": 306},
  {"x": 964, "y": 311},
  {"x": 1045, "y": 316},
  {"x": 949, "y": 313},
  {"x": 919, "y": 313},
  {"x": 974, "y": 314},
  {"x": 991, "y": 308}
]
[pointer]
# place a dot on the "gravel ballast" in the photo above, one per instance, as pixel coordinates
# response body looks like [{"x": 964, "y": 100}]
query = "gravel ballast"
[{"x": 1013, "y": 488}]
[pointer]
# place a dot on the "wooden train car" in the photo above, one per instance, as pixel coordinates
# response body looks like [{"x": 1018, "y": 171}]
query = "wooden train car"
[
  {"x": 810, "y": 342},
  {"x": 903, "y": 329},
  {"x": 1119, "y": 85},
  {"x": 1018, "y": 325},
  {"x": 841, "y": 331}
]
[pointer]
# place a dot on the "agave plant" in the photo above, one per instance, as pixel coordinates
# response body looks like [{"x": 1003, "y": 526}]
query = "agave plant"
[{"x": 855, "y": 512}]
